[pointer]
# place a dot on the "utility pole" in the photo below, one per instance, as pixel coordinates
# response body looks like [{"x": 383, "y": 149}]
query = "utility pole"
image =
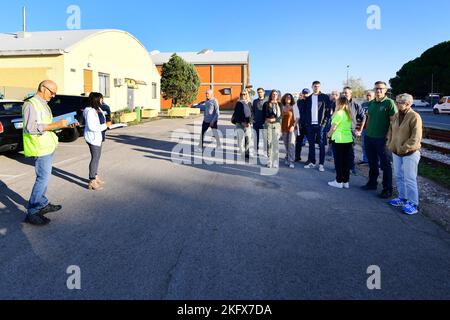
[{"x": 24, "y": 16}]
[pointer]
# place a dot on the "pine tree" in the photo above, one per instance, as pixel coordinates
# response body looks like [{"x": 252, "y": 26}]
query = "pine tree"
[{"x": 179, "y": 81}]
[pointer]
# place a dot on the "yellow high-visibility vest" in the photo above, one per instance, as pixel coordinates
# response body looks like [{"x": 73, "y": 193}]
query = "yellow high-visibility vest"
[{"x": 44, "y": 144}]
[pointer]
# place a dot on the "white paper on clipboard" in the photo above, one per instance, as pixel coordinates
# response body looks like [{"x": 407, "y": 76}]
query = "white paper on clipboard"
[{"x": 70, "y": 117}]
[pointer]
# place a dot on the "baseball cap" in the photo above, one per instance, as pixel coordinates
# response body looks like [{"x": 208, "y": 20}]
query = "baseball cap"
[{"x": 306, "y": 91}]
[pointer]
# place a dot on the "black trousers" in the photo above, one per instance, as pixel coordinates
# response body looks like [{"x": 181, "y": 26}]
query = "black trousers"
[
  {"x": 299, "y": 143},
  {"x": 205, "y": 128},
  {"x": 343, "y": 161}
]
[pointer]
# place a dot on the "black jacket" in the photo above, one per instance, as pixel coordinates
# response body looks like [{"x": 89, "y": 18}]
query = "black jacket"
[
  {"x": 267, "y": 114},
  {"x": 324, "y": 110},
  {"x": 239, "y": 114}
]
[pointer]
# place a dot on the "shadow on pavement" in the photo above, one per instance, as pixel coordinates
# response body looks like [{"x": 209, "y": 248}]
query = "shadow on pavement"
[{"x": 59, "y": 173}]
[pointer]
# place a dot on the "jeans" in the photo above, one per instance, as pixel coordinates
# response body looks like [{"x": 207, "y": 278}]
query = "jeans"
[
  {"x": 363, "y": 146},
  {"x": 289, "y": 143},
  {"x": 316, "y": 133},
  {"x": 38, "y": 200},
  {"x": 273, "y": 142},
  {"x": 96, "y": 153},
  {"x": 342, "y": 161},
  {"x": 405, "y": 169},
  {"x": 377, "y": 152}
]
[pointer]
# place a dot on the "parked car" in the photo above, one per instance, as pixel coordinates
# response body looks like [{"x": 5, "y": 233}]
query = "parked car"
[
  {"x": 268, "y": 92},
  {"x": 65, "y": 104},
  {"x": 421, "y": 104},
  {"x": 443, "y": 106},
  {"x": 11, "y": 122},
  {"x": 10, "y": 125}
]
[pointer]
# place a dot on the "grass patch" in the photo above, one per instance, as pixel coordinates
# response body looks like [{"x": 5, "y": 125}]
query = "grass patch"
[{"x": 438, "y": 174}]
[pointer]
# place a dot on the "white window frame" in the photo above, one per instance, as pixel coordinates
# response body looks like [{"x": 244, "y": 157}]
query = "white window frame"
[
  {"x": 154, "y": 90},
  {"x": 104, "y": 84}
]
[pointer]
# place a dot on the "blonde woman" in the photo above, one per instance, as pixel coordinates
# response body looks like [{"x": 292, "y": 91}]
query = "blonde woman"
[{"x": 342, "y": 139}]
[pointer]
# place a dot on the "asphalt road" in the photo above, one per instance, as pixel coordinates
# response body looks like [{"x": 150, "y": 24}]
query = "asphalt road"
[
  {"x": 161, "y": 230},
  {"x": 440, "y": 121}
]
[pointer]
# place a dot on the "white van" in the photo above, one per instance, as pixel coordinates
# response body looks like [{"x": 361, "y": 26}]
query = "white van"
[{"x": 443, "y": 106}]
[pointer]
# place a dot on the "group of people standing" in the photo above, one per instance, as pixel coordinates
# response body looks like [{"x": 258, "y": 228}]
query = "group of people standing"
[{"x": 389, "y": 131}]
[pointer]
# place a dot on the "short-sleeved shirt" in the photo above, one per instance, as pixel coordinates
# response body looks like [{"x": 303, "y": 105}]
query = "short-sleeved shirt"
[
  {"x": 380, "y": 113},
  {"x": 343, "y": 122}
]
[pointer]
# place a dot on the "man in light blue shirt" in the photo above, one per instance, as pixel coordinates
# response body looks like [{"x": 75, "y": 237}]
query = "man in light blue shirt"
[{"x": 211, "y": 119}]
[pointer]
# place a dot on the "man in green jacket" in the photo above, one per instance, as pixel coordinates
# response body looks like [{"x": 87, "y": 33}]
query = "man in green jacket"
[{"x": 40, "y": 143}]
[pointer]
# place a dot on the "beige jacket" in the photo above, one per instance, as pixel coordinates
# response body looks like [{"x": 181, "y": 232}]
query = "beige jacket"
[{"x": 405, "y": 139}]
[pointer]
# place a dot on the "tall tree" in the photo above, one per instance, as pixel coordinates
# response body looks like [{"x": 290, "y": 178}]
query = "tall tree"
[
  {"x": 357, "y": 85},
  {"x": 179, "y": 81},
  {"x": 429, "y": 72}
]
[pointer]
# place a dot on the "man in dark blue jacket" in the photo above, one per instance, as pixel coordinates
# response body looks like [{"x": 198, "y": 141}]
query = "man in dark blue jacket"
[
  {"x": 258, "y": 120},
  {"x": 315, "y": 114},
  {"x": 301, "y": 129}
]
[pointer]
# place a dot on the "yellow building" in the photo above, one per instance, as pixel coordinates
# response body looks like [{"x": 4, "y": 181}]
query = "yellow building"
[{"x": 112, "y": 62}]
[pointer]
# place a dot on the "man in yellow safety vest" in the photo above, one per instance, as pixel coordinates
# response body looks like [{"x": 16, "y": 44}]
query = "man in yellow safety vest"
[{"x": 40, "y": 143}]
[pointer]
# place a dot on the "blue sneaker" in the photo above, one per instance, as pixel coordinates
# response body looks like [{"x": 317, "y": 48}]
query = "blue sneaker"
[
  {"x": 410, "y": 209},
  {"x": 399, "y": 203}
]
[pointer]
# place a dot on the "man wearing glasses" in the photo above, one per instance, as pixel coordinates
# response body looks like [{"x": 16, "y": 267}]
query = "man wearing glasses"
[
  {"x": 40, "y": 143},
  {"x": 381, "y": 113}
]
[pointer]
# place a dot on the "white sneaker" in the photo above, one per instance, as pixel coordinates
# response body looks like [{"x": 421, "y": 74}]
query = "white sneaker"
[
  {"x": 292, "y": 166},
  {"x": 321, "y": 168},
  {"x": 310, "y": 166},
  {"x": 276, "y": 165},
  {"x": 335, "y": 184},
  {"x": 347, "y": 185}
]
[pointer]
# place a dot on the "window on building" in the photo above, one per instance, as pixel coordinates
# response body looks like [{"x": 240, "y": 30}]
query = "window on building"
[
  {"x": 104, "y": 84},
  {"x": 226, "y": 91},
  {"x": 154, "y": 90}
]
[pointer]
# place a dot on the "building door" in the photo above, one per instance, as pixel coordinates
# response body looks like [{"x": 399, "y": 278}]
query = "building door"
[
  {"x": 88, "y": 82},
  {"x": 130, "y": 99}
]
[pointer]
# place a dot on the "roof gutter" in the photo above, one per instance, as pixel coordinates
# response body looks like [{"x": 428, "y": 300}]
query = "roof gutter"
[{"x": 11, "y": 53}]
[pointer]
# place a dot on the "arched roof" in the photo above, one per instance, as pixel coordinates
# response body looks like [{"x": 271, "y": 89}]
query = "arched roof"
[{"x": 48, "y": 42}]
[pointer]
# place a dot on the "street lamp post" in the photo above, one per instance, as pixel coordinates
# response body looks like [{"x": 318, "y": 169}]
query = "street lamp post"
[{"x": 348, "y": 70}]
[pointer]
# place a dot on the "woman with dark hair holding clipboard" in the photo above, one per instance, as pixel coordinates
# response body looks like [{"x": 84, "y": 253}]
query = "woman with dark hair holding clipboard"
[{"x": 95, "y": 134}]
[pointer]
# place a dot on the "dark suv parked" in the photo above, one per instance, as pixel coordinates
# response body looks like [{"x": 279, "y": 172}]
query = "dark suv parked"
[
  {"x": 10, "y": 125},
  {"x": 61, "y": 105},
  {"x": 11, "y": 120}
]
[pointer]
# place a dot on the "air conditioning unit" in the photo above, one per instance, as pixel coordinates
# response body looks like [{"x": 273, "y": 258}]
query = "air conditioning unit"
[{"x": 118, "y": 82}]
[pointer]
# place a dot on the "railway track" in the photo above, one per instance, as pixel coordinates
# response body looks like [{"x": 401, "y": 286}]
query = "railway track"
[{"x": 436, "y": 147}]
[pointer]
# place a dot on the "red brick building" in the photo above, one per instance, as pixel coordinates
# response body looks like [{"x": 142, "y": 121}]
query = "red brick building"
[{"x": 226, "y": 73}]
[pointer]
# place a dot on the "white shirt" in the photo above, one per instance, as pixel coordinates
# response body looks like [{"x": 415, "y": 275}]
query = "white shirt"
[
  {"x": 315, "y": 109},
  {"x": 93, "y": 129}
]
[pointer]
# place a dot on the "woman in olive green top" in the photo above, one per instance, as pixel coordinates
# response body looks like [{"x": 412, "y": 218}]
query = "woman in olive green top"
[{"x": 341, "y": 135}]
